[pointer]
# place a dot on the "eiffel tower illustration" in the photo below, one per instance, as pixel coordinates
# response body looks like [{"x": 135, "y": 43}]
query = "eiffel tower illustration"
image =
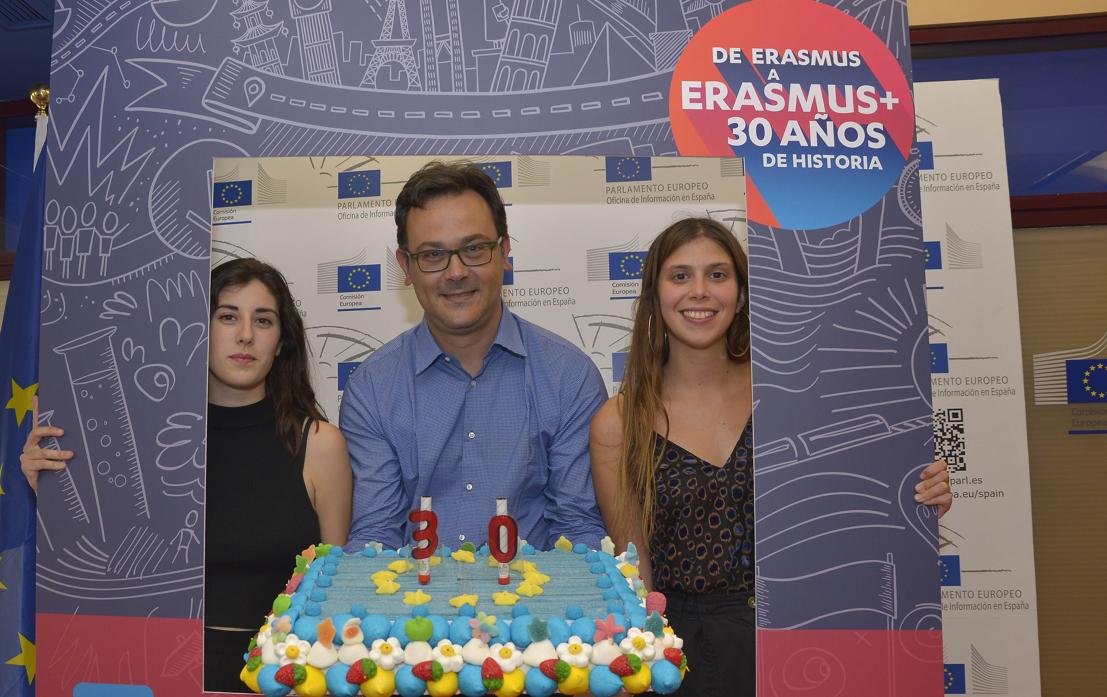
[{"x": 390, "y": 49}]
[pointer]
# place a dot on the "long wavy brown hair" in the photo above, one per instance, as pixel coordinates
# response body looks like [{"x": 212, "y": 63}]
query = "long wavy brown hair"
[
  {"x": 640, "y": 393},
  {"x": 288, "y": 383}
]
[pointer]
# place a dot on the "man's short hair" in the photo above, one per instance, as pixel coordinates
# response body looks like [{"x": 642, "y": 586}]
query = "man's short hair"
[{"x": 437, "y": 179}]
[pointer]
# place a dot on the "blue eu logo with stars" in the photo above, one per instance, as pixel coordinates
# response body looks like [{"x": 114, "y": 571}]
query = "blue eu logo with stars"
[
  {"x": 361, "y": 278},
  {"x": 345, "y": 370},
  {"x": 498, "y": 172},
  {"x": 230, "y": 194},
  {"x": 1086, "y": 381},
  {"x": 939, "y": 358},
  {"x": 954, "y": 680},
  {"x": 360, "y": 184},
  {"x": 933, "y": 255},
  {"x": 949, "y": 569},
  {"x": 628, "y": 169},
  {"x": 625, "y": 266}
]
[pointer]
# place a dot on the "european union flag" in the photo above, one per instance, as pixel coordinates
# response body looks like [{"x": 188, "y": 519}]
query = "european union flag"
[
  {"x": 1086, "y": 379},
  {"x": 360, "y": 184},
  {"x": 361, "y": 278},
  {"x": 230, "y": 194},
  {"x": 499, "y": 172},
  {"x": 345, "y": 370},
  {"x": 509, "y": 276},
  {"x": 622, "y": 266},
  {"x": 628, "y": 169},
  {"x": 19, "y": 380},
  {"x": 949, "y": 569},
  {"x": 926, "y": 155},
  {"x": 933, "y": 255},
  {"x": 939, "y": 358},
  {"x": 954, "y": 680},
  {"x": 618, "y": 365}
]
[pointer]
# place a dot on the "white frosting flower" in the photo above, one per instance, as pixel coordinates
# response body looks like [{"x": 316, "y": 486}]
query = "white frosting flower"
[
  {"x": 475, "y": 651},
  {"x": 638, "y": 643},
  {"x": 574, "y": 652},
  {"x": 387, "y": 653},
  {"x": 669, "y": 639},
  {"x": 506, "y": 656},
  {"x": 448, "y": 655},
  {"x": 292, "y": 650},
  {"x": 604, "y": 652}
]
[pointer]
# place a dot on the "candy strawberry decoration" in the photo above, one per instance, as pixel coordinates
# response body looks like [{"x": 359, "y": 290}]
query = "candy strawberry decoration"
[
  {"x": 292, "y": 674},
  {"x": 492, "y": 676},
  {"x": 676, "y": 657},
  {"x": 361, "y": 671},
  {"x": 427, "y": 670},
  {"x": 625, "y": 666},
  {"x": 555, "y": 669}
]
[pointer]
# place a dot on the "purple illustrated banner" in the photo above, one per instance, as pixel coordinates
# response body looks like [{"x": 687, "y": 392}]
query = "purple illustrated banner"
[{"x": 146, "y": 93}]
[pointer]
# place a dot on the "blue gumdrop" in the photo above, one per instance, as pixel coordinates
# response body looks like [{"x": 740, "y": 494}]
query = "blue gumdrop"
[
  {"x": 369, "y": 552},
  {"x": 404, "y": 552},
  {"x": 598, "y": 568},
  {"x": 419, "y": 611},
  {"x": 636, "y": 616},
  {"x": 444, "y": 552},
  {"x": 581, "y": 548},
  {"x": 399, "y": 631},
  {"x": 388, "y": 552},
  {"x": 615, "y": 605},
  {"x": 268, "y": 684},
  {"x": 538, "y": 685},
  {"x": 558, "y": 630},
  {"x": 665, "y": 677},
  {"x": 312, "y": 609},
  {"x": 610, "y": 594},
  {"x": 585, "y": 628},
  {"x": 440, "y": 629},
  {"x": 358, "y": 611},
  {"x": 318, "y": 595},
  {"x": 504, "y": 631},
  {"x": 336, "y": 681},
  {"x": 592, "y": 556},
  {"x": 460, "y": 631},
  {"x": 573, "y": 612},
  {"x": 466, "y": 611},
  {"x": 323, "y": 581},
  {"x": 469, "y": 682},
  {"x": 529, "y": 551},
  {"x": 339, "y": 622},
  {"x": 407, "y": 685},
  {"x": 336, "y": 551},
  {"x": 604, "y": 582},
  {"x": 306, "y": 628},
  {"x": 330, "y": 568},
  {"x": 520, "y": 631},
  {"x": 483, "y": 550},
  {"x": 603, "y": 683},
  {"x": 518, "y": 610},
  {"x": 375, "y": 627}
]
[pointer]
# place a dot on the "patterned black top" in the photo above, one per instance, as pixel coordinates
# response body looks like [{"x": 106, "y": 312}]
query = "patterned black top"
[{"x": 703, "y": 521}]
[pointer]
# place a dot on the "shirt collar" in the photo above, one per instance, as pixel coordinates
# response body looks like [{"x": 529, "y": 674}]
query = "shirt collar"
[{"x": 508, "y": 337}]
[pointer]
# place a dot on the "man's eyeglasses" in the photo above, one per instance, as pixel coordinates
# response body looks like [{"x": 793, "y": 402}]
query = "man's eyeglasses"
[{"x": 472, "y": 254}]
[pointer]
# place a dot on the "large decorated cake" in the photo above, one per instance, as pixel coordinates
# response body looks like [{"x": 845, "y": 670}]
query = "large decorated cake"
[{"x": 380, "y": 622}]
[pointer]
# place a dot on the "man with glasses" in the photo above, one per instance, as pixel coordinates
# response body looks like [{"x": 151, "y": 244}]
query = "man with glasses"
[{"x": 474, "y": 403}]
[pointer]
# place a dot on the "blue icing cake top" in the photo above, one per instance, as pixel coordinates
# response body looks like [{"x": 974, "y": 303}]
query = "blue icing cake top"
[{"x": 573, "y": 583}]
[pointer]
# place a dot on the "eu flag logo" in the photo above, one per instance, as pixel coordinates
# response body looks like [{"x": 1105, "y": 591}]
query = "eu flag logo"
[
  {"x": 618, "y": 365},
  {"x": 628, "y": 169},
  {"x": 926, "y": 155},
  {"x": 933, "y": 255},
  {"x": 1086, "y": 380},
  {"x": 939, "y": 358},
  {"x": 228, "y": 194},
  {"x": 954, "y": 680},
  {"x": 359, "y": 279},
  {"x": 360, "y": 184},
  {"x": 498, "y": 172},
  {"x": 949, "y": 569},
  {"x": 624, "y": 266},
  {"x": 509, "y": 275},
  {"x": 345, "y": 370}
]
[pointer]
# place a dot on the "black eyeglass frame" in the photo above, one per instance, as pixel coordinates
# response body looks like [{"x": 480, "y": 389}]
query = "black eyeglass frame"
[{"x": 419, "y": 256}]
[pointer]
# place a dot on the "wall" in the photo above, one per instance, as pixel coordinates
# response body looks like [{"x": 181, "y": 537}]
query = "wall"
[
  {"x": 1061, "y": 288},
  {"x": 930, "y": 12}
]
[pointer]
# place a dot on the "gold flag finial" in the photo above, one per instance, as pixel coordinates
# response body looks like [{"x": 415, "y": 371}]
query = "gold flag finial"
[{"x": 40, "y": 95}]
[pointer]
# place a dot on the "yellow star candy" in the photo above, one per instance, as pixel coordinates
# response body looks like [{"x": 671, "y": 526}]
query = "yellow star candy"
[
  {"x": 529, "y": 589},
  {"x": 382, "y": 576},
  {"x": 536, "y": 577},
  {"x": 464, "y": 599},
  {"x": 629, "y": 570},
  {"x": 463, "y": 556},
  {"x": 563, "y": 544},
  {"x": 523, "y": 566},
  {"x": 401, "y": 566},
  {"x": 416, "y": 598},
  {"x": 504, "y": 598},
  {"x": 435, "y": 560},
  {"x": 387, "y": 588}
]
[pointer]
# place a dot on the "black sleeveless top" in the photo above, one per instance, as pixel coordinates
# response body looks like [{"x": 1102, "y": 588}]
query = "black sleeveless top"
[
  {"x": 702, "y": 538},
  {"x": 259, "y": 516}
]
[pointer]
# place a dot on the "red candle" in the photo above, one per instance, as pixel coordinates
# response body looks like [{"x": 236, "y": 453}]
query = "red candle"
[
  {"x": 426, "y": 537},
  {"x": 503, "y": 536}
]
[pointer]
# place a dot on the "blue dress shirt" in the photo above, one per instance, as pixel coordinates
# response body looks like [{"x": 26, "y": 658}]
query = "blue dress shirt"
[{"x": 418, "y": 425}]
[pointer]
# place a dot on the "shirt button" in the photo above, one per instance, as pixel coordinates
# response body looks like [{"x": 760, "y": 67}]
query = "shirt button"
[
  {"x": 448, "y": 359},
  {"x": 468, "y": 487},
  {"x": 472, "y": 383},
  {"x": 472, "y": 435},
  {"x": 461, "y": 537},
  {"x": 751, "y": 601}
]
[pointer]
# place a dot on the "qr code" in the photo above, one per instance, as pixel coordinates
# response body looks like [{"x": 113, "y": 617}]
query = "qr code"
[{"x": 949, "y": 437}]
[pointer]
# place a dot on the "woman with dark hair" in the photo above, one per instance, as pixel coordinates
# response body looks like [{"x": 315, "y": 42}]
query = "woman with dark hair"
[
  {"x": 675, "y": 447},
  {"x": 278, "y": 475}
]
